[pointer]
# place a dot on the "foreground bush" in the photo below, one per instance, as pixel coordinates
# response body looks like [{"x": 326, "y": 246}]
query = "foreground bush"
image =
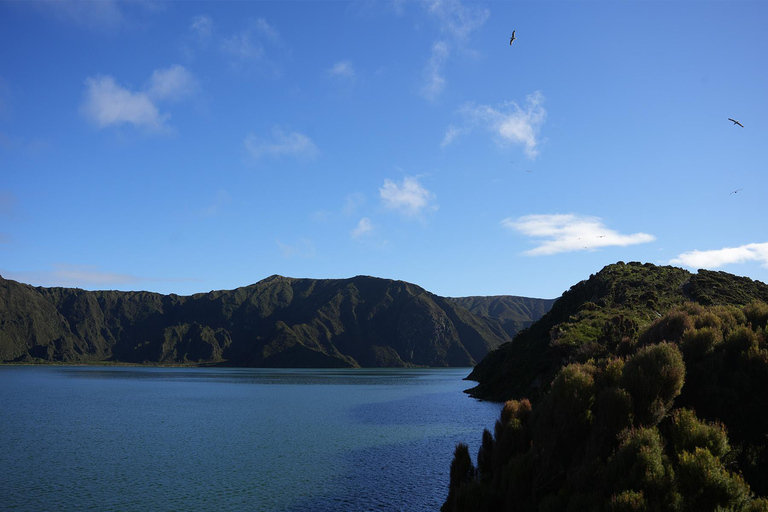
[{"x": 680, "y": 423}]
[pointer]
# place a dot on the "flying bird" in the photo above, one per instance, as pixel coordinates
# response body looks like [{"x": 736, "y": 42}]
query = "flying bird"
[
  {"x": 734, "y": 121},
  {"x": 735, "y": 191},
  {"x": 512, "y": 38}
]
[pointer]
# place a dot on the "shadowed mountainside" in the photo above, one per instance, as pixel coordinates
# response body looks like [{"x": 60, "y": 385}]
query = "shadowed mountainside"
[
  {"x": 277, "y": 322},
  {"x": 514, "y": 313}
]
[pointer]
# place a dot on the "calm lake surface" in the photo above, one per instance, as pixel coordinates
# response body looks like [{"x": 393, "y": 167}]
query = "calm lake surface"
[{"x": 180, "y": 439}]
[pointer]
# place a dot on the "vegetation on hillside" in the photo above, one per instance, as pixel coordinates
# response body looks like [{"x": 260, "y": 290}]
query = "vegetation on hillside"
[
  {"x": 672, "y": 417},
  {"x": 598, "y": 317}
]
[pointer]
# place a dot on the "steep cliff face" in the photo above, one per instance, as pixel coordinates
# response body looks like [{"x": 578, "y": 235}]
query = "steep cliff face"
[{"x": 277, "y": 322}]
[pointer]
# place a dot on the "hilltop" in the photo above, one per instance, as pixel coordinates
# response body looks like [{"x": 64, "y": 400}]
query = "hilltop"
[{"x": 598, "y": 316}]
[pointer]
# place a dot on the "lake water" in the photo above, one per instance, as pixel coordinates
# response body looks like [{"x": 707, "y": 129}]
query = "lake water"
[{"x": 181, "y": 439}]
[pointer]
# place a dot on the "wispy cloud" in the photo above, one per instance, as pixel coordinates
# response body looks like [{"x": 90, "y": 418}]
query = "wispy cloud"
[
  {"x": 107, "y": 103},
  {"x": 352, "y": 202},
  {"x": 433, "y": 74},
  {"x": 102, "y": 15},
  {"x": 249, "y": 46},
  {"x": 409, "y": 198},
  {"x": 726, "y": 256},
  {"x": 202, "y": 27},
  {"x": 456, "y": 19},
  {"x": 509, "y": 123},
  {"x": 220, "y": 200},
  {"x": 343, "y": 70},
  {"x": 570, "y": 232},
  {"x": 172, "y": 84},
  {"x": 82, "y": 276},
  {"x": 456, "y": 23},
  {"x": 293, "y": 144},
  {"x": 450, "y": 134},
  {"x": 364, "y": 227},
  {"x": 304, "y": 248}
]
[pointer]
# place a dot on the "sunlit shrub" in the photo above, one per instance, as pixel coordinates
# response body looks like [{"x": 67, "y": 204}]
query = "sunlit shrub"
[
  {"x": 687, "y": 432},
  {"x": 628, "y": 501},
  {"x": 706, "y": 485},
  {"x": 741, "y": 340},
  {"x": 654, "y": 377},
  {"x": 757, "y": 314}
]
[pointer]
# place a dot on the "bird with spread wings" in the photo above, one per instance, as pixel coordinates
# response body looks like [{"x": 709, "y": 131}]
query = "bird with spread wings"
[
  {"x": 512, "y": 38},
  {"x": 734, "y": 121}
]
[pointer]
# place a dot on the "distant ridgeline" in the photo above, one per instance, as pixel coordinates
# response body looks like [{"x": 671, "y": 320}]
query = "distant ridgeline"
[
  {"x": 277, "y": 322},
  {"x": 644, "y": 388}
]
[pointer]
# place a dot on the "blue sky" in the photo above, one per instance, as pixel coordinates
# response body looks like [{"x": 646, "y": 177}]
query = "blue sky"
[{"x": 182, "y": 147}]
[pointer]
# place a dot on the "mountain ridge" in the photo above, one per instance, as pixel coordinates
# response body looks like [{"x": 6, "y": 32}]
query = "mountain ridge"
[{"x": 276, "y": 322}]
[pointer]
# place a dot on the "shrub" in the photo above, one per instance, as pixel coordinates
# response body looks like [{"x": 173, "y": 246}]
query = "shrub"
[
  {"x": 654, "y": 377},
  {"x": 462, "y": 474},
  {"x": 640, "y": 465},
  {"x": 706, "y": 485},
  {"x": 628, "y": 501},
  {"x": 701, "y": 342},
  {"x": 757, "y": 314},
  {"x": 667, "y": 328},
  {"x": 687, "y": 432}
]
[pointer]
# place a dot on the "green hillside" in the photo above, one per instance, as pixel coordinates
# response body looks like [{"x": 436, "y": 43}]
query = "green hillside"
[
  {"x": 645, "y": 388},
  {"x": 277, "y": 322}
]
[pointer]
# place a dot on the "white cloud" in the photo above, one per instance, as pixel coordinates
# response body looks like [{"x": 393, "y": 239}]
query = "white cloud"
[
  {"x": 511, "y": 124},
  {"x": 107, "y": 103},
  {"x": 434, "y": 81},
  {"x": 720, "y": 257},
  {"x": 570, "y": 232},
  {"x": 364, "y": 227},
  {"x": 172, "y": 84},
  {"x": 409, "y": 198},
  {"x": 456, "y": 19},
  {"x": 450, "y": 135},
  {"x": 343, "y": 70},
  {"x": 293, "y": 144},
  {"x": 202, "y": 26}
]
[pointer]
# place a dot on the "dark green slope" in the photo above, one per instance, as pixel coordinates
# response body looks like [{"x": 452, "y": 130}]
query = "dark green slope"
[
  {"x": 514, "y": 313},
  {"x": 600, "y": 316},
  {"x": 278, "y": 322}
]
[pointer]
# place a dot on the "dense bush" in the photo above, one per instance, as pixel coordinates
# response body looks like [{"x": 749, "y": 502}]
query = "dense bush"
[{"x": 677, "y": 423}]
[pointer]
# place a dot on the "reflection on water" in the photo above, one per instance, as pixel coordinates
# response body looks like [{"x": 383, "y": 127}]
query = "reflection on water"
[{"x": 133, "y": 438}]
